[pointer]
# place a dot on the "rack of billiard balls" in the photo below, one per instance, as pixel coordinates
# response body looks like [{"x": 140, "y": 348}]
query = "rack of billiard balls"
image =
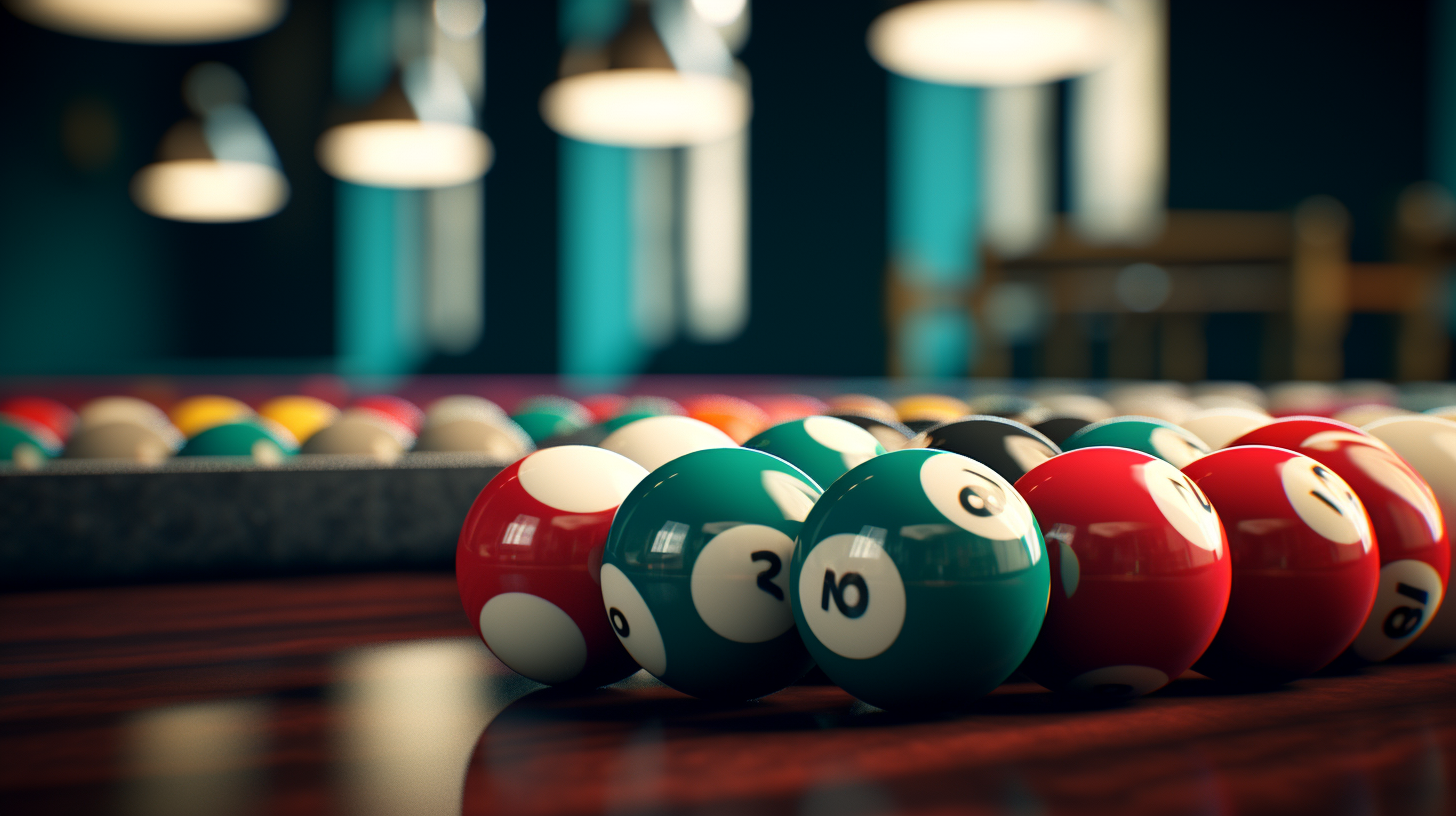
[{"x": 1099, "y": 556}]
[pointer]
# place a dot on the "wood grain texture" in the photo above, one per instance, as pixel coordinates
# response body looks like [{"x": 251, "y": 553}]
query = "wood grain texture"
[{"x": 368, "y": 694}]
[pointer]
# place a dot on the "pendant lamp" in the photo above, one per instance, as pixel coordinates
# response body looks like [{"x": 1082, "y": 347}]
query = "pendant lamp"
[
  {"x": 994, "y": 42},
  {"x": 419, "y": 133},
  {"x": 162, "y": 22},
  {"x": 218, "y": 167},
  {"x": 665, "y": 80}
]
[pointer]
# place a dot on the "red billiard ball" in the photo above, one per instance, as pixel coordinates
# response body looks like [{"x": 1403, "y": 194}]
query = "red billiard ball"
[
  {"x": 1415, "y": 552},
  {"x": 395, "y": 409},
  {"x": 1305, "y": 567},
  {"x": 529, "y": 560},
  {"x": 1140, "y": 572},
  {"x": 49, "y": 414}
]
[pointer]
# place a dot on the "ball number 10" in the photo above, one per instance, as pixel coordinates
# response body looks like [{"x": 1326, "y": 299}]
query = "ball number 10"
[{"x": 860, "y": 598}]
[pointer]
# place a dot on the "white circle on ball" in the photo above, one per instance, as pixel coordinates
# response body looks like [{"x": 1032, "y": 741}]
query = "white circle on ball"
[
  {"x": 1175, "y": 448},
  {"x": 975, "y": 498},
  {"x": 630, "y": 618},
  {"x": 1408, "y": 598},
  {"x": 1026, "y": 451},
  {"x": 533, "y": 636},
  {"x": 851, "y": 594},
  {"x": 1184, "y": 505},
  {"x": 578, "y": 478},
  {"x": 1118, "y": 681},
  {"x": 654, "y": 441},
  {"x": 1219, "y": 426},
  {"x": 1323, "y": 501},
  {"x": 1394, "y": 475},
  {"x": 853, "y": 443},
  {"x": 740, "y": 583}
]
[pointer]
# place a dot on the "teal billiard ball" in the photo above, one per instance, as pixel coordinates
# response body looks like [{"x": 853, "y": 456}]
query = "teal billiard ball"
[
  {"x": 27, "y": 445},
  {"x": 920, "y": 580},
  {"x": 695, "y": 575},
  {"x": 823, "y": 447},
  {"x": 265, "y": 441},
  {"x": 1154, "y": 437}
]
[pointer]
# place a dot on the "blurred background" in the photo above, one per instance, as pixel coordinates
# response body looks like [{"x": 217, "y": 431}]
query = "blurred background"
[{"x": 1009, "y": 188}]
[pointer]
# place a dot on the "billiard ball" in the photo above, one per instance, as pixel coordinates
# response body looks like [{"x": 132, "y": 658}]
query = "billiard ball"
[
  {"x": 529, "y": 565},
  {"x": 546, "y": 416},
  {"x": 1428, "y": 444},
  {"x": 785, "y": 407},
  {"x": 492, "y": 435},
  {"x": 461, "y": 406},
  {"x": 1140, "y": 572},
  {"x": 603, "y": 407},
  {"x": 694, "y": 580},
  {"x": 654, "y": 441},
  {"x": 394, "y": 409},
  {"x": 362, "y": 433},
  {"x": 642, "y": 408},
  {"x": 888, "y": 432},
  {"x": 26, "y": 445},
  {"x": 861, "y": 405},
  {"x": 738, "y": 418},
  {"x": 1060, "y": 428},
  {"x": 1078, "y": 406},
  {"x": 108, "y": 410},
  {"x": 265, "y": 441},
  {"x": 921, "y": 411},
  {"x": 1152, "y": 436},
  {"x": 1366, "y": 413},
  {"x": 1415, "y": 553},
  {"x": 1229, "y": 395},
  {"x": 302, "y": 416},
  {"x": 823, "y": 447},
  {"x": 144, "y": 443},
  {"x": 1003, "y": 445},
  {"x": 1164, "y": 406},
  {"x": 919, "y": 580},
  {"x": 1303, "y": 398},
  {"x": 1217, "y": 427},
  {"x": 1305, "y": 567},
  {"x": 194, "y": 415},
  {"x": 48, "y": 413},
  {"x": 1009, "y": 406}
]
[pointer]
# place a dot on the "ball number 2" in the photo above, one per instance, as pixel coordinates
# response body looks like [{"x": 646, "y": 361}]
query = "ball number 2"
[
  {"x": 837, "y": 591},
  {"x": 1403, "y": 620},
  {"x": 765, "y": 578}
]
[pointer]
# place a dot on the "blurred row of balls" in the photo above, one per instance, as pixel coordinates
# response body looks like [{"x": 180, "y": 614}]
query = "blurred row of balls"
[
  {"x": 36, "y": 429},
  {"x": 1101, "y": 555}
]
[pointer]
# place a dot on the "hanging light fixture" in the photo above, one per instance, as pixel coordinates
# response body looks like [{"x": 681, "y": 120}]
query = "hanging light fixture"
[
  {"x": 419, "y": 133},
  {"x": 154, "y": 21},
  {"x": 994, "y": 42},
  {"x": 665, "y": 80},
  {"x": 219, "y": 167}
]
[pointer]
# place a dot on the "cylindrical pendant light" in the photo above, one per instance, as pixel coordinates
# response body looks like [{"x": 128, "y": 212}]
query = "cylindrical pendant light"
[
  {"x": 219, "y": 167},
  {"x": 419, "y": 133},
  {"x": 165, "y": 22}
]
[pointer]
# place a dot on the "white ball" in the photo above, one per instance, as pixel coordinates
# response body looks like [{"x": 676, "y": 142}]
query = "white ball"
[{"x": 655, "y": 441}]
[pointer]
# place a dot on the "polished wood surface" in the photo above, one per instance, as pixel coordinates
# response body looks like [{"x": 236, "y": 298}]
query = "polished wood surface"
[{"x": 367, "y": 694}]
